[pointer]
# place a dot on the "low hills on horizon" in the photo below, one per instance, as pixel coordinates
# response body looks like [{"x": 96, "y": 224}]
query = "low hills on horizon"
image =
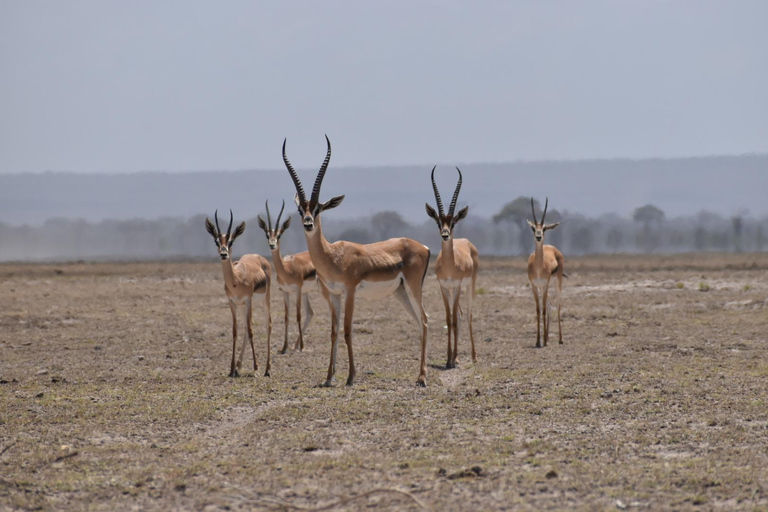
[{"x": 727, "y": 185}]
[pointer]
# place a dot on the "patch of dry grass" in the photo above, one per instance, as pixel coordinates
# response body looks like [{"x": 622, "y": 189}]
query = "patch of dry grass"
[{"x": 113, "y": 393}]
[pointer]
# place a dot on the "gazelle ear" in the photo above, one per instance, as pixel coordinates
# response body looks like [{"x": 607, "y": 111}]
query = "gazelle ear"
[
  {"x": 551, "y": 226},
  {"x": 331, "y": 203},
  {"x": 285, "y": 226},
  {"x": 263, "y": 225},
  {"x": 239, "y": 230},
  {"x": 297, "y": 200},
  {"x": 531, "y": 224},
  {"x": 432, "y": 213},
  {"x": 209, "y": 227},
  {"x": 461, "y": 215}
]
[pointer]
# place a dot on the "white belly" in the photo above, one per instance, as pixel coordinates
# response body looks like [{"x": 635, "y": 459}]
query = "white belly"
[
  {"x": 335, "y": 288},
  {"x": 378, "y": 289},
  {"x": 451, "y": 284},
  {"x": 290, "y": 288},
  {"x": 540, "y": 283},
  {"x": 238, "y": 301}
]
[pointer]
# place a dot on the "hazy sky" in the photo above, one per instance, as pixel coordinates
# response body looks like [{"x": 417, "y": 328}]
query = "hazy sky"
[{"x": 114, "y": 86}]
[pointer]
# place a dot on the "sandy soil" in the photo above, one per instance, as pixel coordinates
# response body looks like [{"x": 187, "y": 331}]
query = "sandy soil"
[{"x": 114, "y": 395}]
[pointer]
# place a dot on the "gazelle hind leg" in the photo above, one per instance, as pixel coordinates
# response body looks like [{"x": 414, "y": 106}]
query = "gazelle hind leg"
[
  {"x": 287, "y": 304},
  {"x": 559, "y": 302},
  {"x": 402, "y": 297},
  {"x": 413, "y": 289},
  {"x": 471, "y": 293},
  {"x": 267, "y": 303},
  {"x": 446, "y": 293},
  {"x": 349, "y": 312},
  {"x": 233, "y": 368}
]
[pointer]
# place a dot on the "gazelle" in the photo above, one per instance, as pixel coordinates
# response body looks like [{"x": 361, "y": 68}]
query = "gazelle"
[
  {"x": 545, "y": 262},
  {"x": 346, "y": 269},
  {"x": 458, "y": 261},
  {"x": 292, "y": 273},
  {"x": 251, "y": 274}
]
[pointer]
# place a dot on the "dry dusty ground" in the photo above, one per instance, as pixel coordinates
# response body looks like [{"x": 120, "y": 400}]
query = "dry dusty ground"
[{"x": 114, "y": 395}]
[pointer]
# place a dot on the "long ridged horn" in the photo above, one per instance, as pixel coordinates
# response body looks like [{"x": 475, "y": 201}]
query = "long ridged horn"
[
  {"x": 269, "y": 217},
  {"x": 533, "y": 211},
  {"x": 231, "y": 219},
  {"x": 455, "y": 195},
  {"x": 216, "y": 216},
  {"x": 294, "y": 176},
  {"x": 437, "y": 194},
  {"x": 277, "y": 224},
  {"x": 543, "y": 215},
  {"x": 321, "y": 174}
]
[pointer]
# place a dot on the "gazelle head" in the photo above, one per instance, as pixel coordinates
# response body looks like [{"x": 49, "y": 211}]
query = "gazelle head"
[
  {"x": 446, "y": 222},
  {"x": 539, "y": 228},
  {"x": 273, "y": 235},
  {"x": 224, "y": 241},
  {"x": 310, "y": 209}
]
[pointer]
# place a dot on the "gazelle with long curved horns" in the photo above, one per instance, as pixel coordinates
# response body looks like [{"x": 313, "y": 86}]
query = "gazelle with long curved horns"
[
  {"x": 251, "y": 274},
  {"x": 346, "y": 269},
  {"x": 545, "y": 262},
  {"x": 293, "y": 272},
  {"x": 456, "y": 264}
]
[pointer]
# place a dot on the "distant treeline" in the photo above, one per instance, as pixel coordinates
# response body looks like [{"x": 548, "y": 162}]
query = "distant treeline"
[{"x": 506, "y": 233}]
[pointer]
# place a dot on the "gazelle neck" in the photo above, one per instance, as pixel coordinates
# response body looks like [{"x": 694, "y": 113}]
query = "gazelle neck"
[
  {"x": 447, "y": 250},
  {"x": 317, "y": 245},
  {"x": 229, "y": 273},
  {"x": 277, "y": 260},
  {"x": 538, "y": 255}
]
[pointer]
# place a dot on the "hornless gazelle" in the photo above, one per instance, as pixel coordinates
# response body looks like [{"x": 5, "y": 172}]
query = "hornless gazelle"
[
  {"x": 458, "y": 261},
  {"x": 251, "y": 274},
  {"x": 293, "y": 272},
  {"x": 545, "y": 262},
  {"x": 346, "y": 269}
]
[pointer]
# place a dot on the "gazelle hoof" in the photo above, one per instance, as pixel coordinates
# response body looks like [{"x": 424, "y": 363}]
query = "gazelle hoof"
[
  {"x": 422, "y": 382},
  {"x": 234, "y": 373},
  {"x": 561, "y": 342},
  {"x": 327, "y": 384},
  {"x": 267, "y": 374}
]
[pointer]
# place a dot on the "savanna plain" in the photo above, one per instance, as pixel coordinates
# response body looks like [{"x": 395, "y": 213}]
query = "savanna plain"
[{"x": 114, "y": 394}]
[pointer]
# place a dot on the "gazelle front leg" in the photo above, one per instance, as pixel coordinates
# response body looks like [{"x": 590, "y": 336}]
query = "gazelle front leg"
[
  {"x": 233, "y": 309},
  {"x": 249, "y": 327},
  {"x": 538, "y": 314},
  {"x": 456, "y": 321},
  {"x": 349, "y": 311},
  {"x": 545, "y": 309},
  {"x": 334, "y": 304},
  {"x": 308, "y": 313},
  {"x": 471, "y": 293},
  {"x": 268, "y": 370},
  {"x": 449, "y": 323},
  {"x": 286, "y": 302},
  {"x": 300, "y": 340}
]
